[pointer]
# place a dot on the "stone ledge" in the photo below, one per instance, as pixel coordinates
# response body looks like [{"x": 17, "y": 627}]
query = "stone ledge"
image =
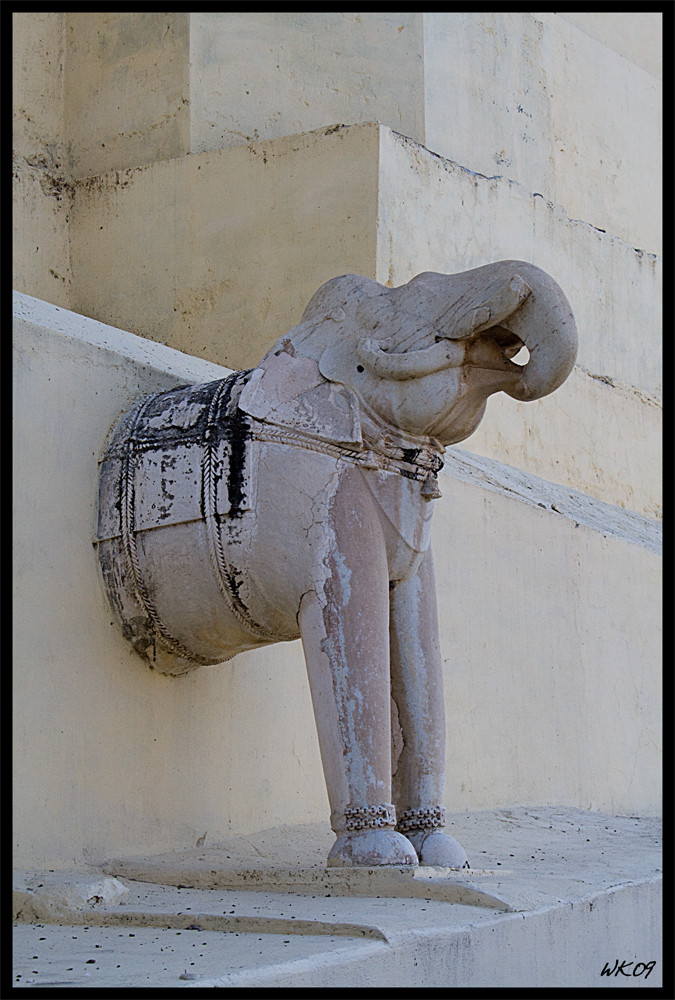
[
  {"x": 597, "y": 515},
  {"x": 583, "y": 889}
]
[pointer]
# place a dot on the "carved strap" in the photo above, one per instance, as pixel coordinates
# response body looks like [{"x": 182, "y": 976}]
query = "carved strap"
[
  {"x": 370, "y": 817},
  {"x": 369, "y": 458},
  {"x": 431, "y": 818}
]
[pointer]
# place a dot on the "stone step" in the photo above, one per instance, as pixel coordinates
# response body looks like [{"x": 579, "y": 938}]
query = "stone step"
[{"x": 569, "y": 893}]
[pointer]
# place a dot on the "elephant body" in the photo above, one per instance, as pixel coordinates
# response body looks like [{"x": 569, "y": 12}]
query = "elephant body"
[
  {"x": 295, "y": 500},
  {"x": 270, "y": 491}
]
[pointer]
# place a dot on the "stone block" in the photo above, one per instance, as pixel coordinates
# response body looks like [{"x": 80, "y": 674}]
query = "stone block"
[
  {"x": 52, "y": 897},
  {"x": 550, "y": 123},
  {"x": 582, "y": 889},
  {"x": 217, "y": 254}
]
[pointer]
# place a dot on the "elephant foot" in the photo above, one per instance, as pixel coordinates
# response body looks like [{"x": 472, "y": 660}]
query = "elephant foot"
[
  {"x": 438, "y": 850},
  {"x": 370, "y": 848}
]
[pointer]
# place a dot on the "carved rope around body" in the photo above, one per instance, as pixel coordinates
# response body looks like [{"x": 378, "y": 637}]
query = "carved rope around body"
[{"x": 409, "y": 458}]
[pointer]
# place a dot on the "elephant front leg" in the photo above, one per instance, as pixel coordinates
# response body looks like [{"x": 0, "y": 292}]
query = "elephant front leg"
[
  {"x": 344, "y": 623},
  {"x": 417, "y": 691}
]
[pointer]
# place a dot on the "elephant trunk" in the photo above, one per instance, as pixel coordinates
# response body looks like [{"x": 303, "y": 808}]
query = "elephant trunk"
[
  {"x": 520, "y": 300},
  {"x": 545, "y": 324},
  {"x": 479, "y": 319}
]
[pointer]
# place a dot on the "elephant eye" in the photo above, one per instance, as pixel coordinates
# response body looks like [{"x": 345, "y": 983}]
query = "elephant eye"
[{"x": 359, "y": 368}]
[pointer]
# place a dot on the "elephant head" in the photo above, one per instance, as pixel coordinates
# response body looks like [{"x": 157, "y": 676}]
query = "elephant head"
[{"x": 425, "y": 356}]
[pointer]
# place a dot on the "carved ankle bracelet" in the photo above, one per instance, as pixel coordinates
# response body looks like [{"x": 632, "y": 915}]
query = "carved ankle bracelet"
[
  {"x": 370, "y": 817},
  {"x": 431, "y": 818}
]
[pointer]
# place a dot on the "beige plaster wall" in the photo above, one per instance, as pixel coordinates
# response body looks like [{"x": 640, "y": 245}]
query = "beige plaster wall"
[
  {"x": 108, "y": 755},
  {"x": 562, "y": 104},
  {"x": 111, "y": 758},
  {"x": 536, "y": 99},
  {"x": 265, "y": 75},
  {"x": 127, "y": 99},
  {"x": 552, "y": 652},
  {"x": 566, "y": 104},
  {"x": 41, "y": 188},
  {"x": 606, "y": 143},
  {"x": 591, "y": 434},
  {"x": 91, "y": 92},
  {"x": 360, "y": 199},
  {"x": 635, "y": 35},
  {"x": 37, "y": 81},
  {"x": 434, "y": 214},
  {"x": 601, "y": 431}
]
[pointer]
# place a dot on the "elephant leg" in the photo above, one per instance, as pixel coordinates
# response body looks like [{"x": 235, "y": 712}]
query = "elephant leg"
[
  {"x": 417, "y": 690},
  {"x": 344, "y": 624}
]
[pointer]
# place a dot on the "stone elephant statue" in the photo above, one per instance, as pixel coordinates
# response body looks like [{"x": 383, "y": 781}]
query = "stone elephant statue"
[{"x": 295, "y": 500}]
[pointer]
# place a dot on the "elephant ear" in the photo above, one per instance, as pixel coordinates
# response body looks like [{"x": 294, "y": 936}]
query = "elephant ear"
[{"x": 290, "y": 392}]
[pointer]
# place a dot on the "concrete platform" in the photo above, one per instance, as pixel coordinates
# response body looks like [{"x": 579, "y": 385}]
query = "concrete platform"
[{"x": 556, "y": 895}]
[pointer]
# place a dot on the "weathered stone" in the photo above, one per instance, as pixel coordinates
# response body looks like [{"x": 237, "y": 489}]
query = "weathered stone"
[
  {"x": 50, "y": 896},
  {"x": 294, "y": 500}
]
